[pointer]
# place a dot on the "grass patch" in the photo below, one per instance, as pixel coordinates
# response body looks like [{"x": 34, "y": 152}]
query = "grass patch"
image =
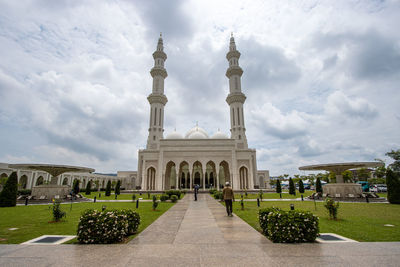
[
  {"x": 358, "y": 221},
  {"x": 33, "y": 221},
  {"x": 267, "y": 195},
  {"x": 120, "y": 197}
]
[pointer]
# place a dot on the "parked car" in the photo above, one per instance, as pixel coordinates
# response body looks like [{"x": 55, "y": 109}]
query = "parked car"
[{"x": 378, "y": 188}]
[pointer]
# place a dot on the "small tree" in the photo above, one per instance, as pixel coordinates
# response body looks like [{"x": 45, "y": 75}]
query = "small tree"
[
  {"x": 76, "y": 187},
  {"x": 394, "y": 154},
  {"x": 118, "y": 188},
  {"x": 278, "y": 186},
  {"x": 301, "y": 187},
  {"x": 88, "y": 188},
  {"x": 155, "y": 202},
  {"x": 347, "y": 176},
  {"x": 8, "y": 197},
  {"x": 108, "y": 189},
  {"x": 292, "y": 189},
  {"x": 57, "y": 212},
  {"x": 332, "y": 208},
  {"x": 318, "y": 186},
  {"x": 362, "y": 174},
  {"x": 393, "y": 186}
]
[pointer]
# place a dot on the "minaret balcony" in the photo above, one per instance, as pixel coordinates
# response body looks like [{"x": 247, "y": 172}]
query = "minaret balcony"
[
  {"x": 158, "y": 71},
  {"x": 157, "y": 98},
  {"x": 160, "y": 54},
  {"x": 234, "y": 70},
  {"x": 235, "y": 97},
  {"x": 231, "y": 54}
]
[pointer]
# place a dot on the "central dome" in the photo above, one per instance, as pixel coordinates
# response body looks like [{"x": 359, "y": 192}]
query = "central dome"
[{"x": 196, "y": 133}]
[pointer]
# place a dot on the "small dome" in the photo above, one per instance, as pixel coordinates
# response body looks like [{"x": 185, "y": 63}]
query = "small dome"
[
  {"x": 219, "y": 135},
  {"x": 174, "y": 135},
  {"x": 196, "y": 133}
]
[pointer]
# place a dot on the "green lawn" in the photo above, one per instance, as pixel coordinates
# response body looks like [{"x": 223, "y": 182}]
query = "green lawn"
[
  {"x": 285, "y": 195},
  {"x": 33, "y": 221},
  {"x": 358, "y": 221},
  {"x": 120, "y": 197}
]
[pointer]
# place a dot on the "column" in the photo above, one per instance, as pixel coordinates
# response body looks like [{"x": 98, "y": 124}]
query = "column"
[
  {"x": 217, "y": 179},
  {"x": 204, "y": 177},
  {"x": 176, "y": 178}
]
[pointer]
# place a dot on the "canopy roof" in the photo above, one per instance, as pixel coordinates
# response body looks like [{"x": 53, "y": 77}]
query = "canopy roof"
[
  {"x": 341, "y": 167},
  {"x": 54, "y": 170}
]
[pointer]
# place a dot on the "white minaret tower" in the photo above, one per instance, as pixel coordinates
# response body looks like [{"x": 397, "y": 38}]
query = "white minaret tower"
[
  {"x": 236, "y": 98},
  {"x": 157, "y": 99}
]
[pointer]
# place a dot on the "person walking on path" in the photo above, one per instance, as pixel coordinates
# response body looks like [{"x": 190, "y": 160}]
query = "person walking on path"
[
  {"x": 196, "y": 191},
  {"x": 228, "y": 196}
]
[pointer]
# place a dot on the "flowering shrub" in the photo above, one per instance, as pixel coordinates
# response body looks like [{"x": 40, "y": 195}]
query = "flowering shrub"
[
  {"x": 288, "y": 226},
  {"x": 108, "y": 226}
]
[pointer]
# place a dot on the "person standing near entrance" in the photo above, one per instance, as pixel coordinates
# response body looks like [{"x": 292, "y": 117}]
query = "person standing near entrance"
[
  {"x": 228, "y": 196},
  {"x": 196, "y": 191}
]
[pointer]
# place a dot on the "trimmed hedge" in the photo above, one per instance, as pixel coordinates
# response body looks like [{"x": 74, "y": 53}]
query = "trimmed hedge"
[
  {"x": 108, "y": 226},
  {"x": 174, "y": 198},
  {"x": 218, "y": 195},
  {"x": 164, "y": 197},
  {"x": 173, "y": 192},
  {"x": 294, "y": 226},
  {"x": 24, "y": 192},
  {"x": 8, "y": 197}
]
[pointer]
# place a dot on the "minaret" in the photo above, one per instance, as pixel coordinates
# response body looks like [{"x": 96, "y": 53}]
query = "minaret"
[
  {"x": 236, "y": 98},
  {"x": 157, "y": 99}
]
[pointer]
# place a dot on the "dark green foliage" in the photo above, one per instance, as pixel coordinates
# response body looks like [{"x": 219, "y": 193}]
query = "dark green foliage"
[
  {"x": 173, "y": 192},
  {"x": 133, "y": 197},
  {"x": 155, "y": 202},
  {"x": 394, "y": 154},
  {"x": 174, "y": 198},
  {"x": 118, "y": 188},
  {"x": 58, "y": 214},
  {"x": 318, "y": 186},
  {"x": 108, "y": 189},
  {"x": 8, "y": 197},
  {"x": 164, "y": 197},
  {"x": 108, "y": 226},
  {"x": 292, "y": 226},
  {"x": 278, "y": 186},
  {"x": 301, "y": 187},
  {"x": 88, "y": 188},
  {"x": 332, "y": 208},
  {"x": 76, "y": 187},
  {"x": 218, "y": 195},
  {"x": 24, "y": 192},
  {"x": 260, "y": 194},
  {"x": 393, "y": 186},
  {"x": 212, "y": 191},
  {"x": 292, "y": 189}
]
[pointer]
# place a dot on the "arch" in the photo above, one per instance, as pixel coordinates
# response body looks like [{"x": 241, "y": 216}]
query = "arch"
[
  {"x": 170, "y": 176},
  {"x": 243, "y": 178},
  {"x": 23, "y": 181},
  {"x": 197, "y": 173},
  {"x": 151, "y": 178},
  {"x": 185, "y": 175},
  {"x": 65, "y": 181},
  {"x": 102, "y": 184},
  {"x": 210, "y": 174},
  {"x": 224, "y": 174},
  {"x": 40, "y": 180}
]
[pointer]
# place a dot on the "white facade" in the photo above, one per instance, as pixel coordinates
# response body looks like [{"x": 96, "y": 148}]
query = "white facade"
[{"x": 182, "y": 161}]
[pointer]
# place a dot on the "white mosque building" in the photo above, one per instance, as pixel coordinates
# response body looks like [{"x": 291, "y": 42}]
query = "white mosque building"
[
  {"x": 177, "y": 161},
  {"x": 180, "y": 162}
]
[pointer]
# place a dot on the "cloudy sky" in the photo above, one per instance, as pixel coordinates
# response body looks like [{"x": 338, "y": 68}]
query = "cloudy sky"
[{"x": 322, "y": 78}]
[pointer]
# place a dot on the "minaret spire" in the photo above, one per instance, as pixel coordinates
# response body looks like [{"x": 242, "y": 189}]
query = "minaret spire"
[
  {"x": 157, "y": 99},
  {"x": 236, "y": 98}
]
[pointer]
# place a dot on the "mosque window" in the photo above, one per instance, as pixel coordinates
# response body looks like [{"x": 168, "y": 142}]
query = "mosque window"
[
  {"x": 233, "y": 116},
  {"x": 155, "y": 116},
  {"x": 238, "y": 115},
  {"x": 154, "y": 137},
  {"x": 240, "y": 137}
]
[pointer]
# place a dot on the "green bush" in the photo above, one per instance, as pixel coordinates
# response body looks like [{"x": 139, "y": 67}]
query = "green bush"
[
  {"x": 24, "y": 192},
  {"x": 173, "y": 192},
  {"x": 58, "y": 214},
  {"x": 301, "y": 187},
  {"x": 8, "y": 197},
  {"x": 133, "y": 197},
  {"x": 393, "y": 186},
  {"x": 218, "y": 195},
  {"x": 318, "y": 186},
  {"x": 292, "y": 226},
  {"x": 184, "y": 192},
  {"x": 108, "y": 226},
  {"x": 164, "y": 197},
  {"x": 212, "y": 191},
  {"x": 155, "y": 202},
  {"x": 278, "y": 186},
  {"x": 332, "y": 207},
  {"x": 174, "y": 198},
  {"x": 88, "y": 188},
  {"x": 292, "y": 189},
  {"x": 108, "y": 189},
  {"x": 118, "y": 188},
  {"x": 260, "y": 194},
  {"x": 76, "y": 187}
]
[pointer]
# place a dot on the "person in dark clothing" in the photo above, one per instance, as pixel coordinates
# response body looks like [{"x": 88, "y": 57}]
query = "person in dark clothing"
[
  {"x": 229, "y": 197},
  {"x": 196, "y": 191}
]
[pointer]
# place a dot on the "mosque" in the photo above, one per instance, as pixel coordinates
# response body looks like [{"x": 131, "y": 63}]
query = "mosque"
[
  {"x": 180, "y": 162},
  {"x": 177, "y": 161}
]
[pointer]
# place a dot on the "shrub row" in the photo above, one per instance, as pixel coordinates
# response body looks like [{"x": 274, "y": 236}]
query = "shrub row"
[
  {"x": 218, "y": 195},
  {"x": 293, "y": 226},
  {"x": 24, "y": 192},
  {"x": 108, "y": 226}
]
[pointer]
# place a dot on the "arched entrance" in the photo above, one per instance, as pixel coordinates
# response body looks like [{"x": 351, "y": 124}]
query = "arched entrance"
[
  {"x": 243, "y": 178},
  {"x": 210, "y": 175},
  {"x": 224, "y": 174},
  {"x": 40, "y": 180},
  {"x": 170, "y": 176},
  {"x": 198, "y": 174},
  {"x": 151, "y": 178},
  {"x": 23, "y": 181},
  {"x": 65, "y": 181},
  {"x": 184, "y": 175}
]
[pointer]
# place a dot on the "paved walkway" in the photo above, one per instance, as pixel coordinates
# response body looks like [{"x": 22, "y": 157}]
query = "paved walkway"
[{"x": 200, "y": 234}]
